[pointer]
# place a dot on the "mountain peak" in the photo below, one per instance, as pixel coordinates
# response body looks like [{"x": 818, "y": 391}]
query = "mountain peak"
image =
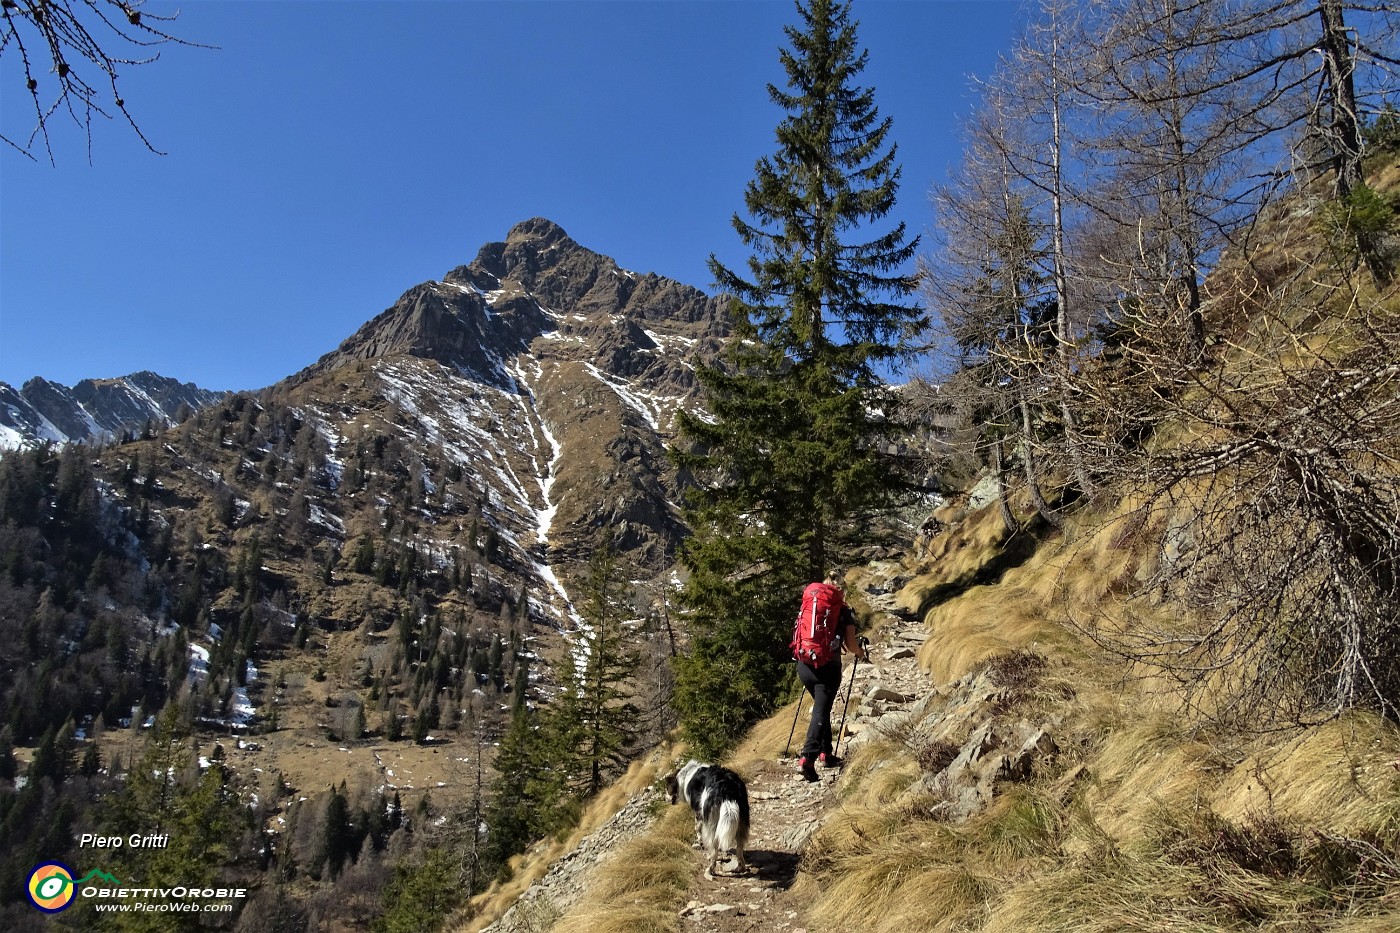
[{"x": 537, "y": 228}]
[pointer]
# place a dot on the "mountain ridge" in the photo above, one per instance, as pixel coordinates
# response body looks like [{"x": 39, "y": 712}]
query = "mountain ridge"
[{"x": 95, "y": 410}]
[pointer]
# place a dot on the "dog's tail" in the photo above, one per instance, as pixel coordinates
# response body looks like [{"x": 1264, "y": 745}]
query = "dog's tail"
[{"x": 732, "y": 831}]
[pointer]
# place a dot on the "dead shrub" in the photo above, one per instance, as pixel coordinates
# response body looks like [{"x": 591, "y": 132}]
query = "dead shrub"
[
  {"x": 1265, "y": 845},
  {"x": 937, "y": 755},
  {"x": 1016, "y": 671}
]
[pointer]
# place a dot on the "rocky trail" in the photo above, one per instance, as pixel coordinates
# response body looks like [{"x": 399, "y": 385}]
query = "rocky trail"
[{"x": 785, "y": 810}]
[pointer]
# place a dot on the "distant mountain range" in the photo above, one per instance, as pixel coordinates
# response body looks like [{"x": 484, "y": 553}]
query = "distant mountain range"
[
  {"x": 542, "y": 375},
  {"x": 95, "y": 409},
  {"x": 548, "y": 371}
]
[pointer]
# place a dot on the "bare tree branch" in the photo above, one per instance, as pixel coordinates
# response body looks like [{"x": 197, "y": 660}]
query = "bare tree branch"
[{"x": 72, "y": 55}]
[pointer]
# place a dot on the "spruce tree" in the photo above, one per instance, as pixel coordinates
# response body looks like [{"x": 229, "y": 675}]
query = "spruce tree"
[
  {"x": 333, "y": 844},
  {"x": 788, "y": 475},
  {"x": 529, "y": 795},
  {"x": 9, "y": 767},
  {"x": 606, "y": 726},
  {"x": 419, "y": 897}
]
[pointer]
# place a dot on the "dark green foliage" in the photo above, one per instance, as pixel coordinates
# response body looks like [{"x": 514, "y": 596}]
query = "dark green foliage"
[
  {"x": 378, "y": 821},
  {"x": 334, "y": 841},
  {"x": 36, "y": 824},
  {"x": 554, "y": 758},
  {"x": 52, "y": 758},
  {"x": 114, "y": 561},
  {"x": 65, "y": 655},
  {"x": 790, "y": 475},
  {"x": 420, "y": 896},
  {"x": 1383, "y": 132},
  {"x": 167, "y": 792},
  {"x": 526, "y": 798},
  {"x": 8, "y": 766},
  {"x": 1358, "y": 227},
  {"x": 91, "y": 762},
  {"x": 601, "y": 696}
]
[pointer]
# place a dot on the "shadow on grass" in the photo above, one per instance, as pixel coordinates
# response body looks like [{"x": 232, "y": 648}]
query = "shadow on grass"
[{"x": 1014, "y": 551}]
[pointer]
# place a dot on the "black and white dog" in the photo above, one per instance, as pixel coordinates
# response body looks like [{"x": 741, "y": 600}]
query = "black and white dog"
[{"x": 721, "y": 805}]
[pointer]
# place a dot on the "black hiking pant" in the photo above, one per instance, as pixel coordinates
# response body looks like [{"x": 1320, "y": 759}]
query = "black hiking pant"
[{"x": 823, "y": 683}]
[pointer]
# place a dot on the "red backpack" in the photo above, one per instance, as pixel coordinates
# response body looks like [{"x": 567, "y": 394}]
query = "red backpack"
[{"x": 816, "y": 636}]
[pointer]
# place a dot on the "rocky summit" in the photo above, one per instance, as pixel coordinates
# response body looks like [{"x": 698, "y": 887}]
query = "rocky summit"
[{"x": 551, "y": 374}]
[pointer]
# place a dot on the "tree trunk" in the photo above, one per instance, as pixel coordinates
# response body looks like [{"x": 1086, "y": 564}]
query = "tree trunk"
[
  {"x": 1003, "y": 506},
  {"x": 1339, "y": 65},
  {"x": 1061, "y": 273},
  {"x": 1028, "y": 465}
]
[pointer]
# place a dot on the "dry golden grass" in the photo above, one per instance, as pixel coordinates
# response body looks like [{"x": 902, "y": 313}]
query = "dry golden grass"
[
  {"x": 528, "y": 868},
  {"x": 1023, "y": 823},
  {"x": 1150, "y": 820},
  {"x": 986, "y": 622},
  {"x": 858, "y": 829},
  {"x": 899, "y": 891},
  {"x": 973, "y": 539},
  {"x": 1142, "y": 771},
  {"x": 767, "y": 740},
  {"x": 1339, "y": 776},
  {"x": 878, "y": 869},
  {"x": 1109, "y": 897},
  {"x": 1027, "y": 608},
  {"x": 952, "y": 556},
  {"x": 641, "y": 889},
  {"x": 871, "y": 759},
  {"x": 888, "y": 783},
  {"x": 1388, "y": 922}
]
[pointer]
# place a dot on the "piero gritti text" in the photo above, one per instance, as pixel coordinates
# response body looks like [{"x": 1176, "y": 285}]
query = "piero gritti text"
[{"x": 134, "y": 841}]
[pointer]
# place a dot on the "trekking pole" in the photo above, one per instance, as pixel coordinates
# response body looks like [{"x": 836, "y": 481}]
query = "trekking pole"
[
  {"x": 787, "y": 750},
  {"x": 865, "y": 645},
  {"x": 840, "y": 733}
]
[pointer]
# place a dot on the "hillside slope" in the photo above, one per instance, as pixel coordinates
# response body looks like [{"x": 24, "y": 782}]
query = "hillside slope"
[
  {"x": 344, "y": 583},
  {"x": 1155, "y": 717},
  {"x": 1006, "y": 775}
]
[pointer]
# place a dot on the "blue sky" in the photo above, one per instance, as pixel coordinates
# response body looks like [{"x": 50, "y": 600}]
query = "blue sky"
[{"x": 330, "y": 154}]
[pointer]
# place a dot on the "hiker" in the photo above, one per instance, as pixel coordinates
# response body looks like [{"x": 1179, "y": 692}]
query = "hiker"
[{"x": 825, "y": 628}]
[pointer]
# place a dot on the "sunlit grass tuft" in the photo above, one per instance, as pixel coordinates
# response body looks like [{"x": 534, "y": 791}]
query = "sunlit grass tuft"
[
  {"x": 641, "y": 888},
  {"x": 905, "y": 884},
  {"x": 1338, "y": 775}
]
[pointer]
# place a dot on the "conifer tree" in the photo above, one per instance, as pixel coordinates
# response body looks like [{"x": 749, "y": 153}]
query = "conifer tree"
[
  {"x": 528, "y": 793},
  {"x": 9, "y": 767},
  {"x": 787, "y": 474},
  {"x": 334, "y": 840},
  {"x": 199, "y": 812},
  {"x": 607, "y": 717},
  {"x": 420, "y": 897}
]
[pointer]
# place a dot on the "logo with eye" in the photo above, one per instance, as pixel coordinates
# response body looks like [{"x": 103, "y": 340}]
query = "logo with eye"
[{"x": 51, "y": 887}]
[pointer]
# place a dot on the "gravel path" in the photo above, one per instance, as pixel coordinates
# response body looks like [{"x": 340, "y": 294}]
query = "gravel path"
[{"x": 785, "y": 810}]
